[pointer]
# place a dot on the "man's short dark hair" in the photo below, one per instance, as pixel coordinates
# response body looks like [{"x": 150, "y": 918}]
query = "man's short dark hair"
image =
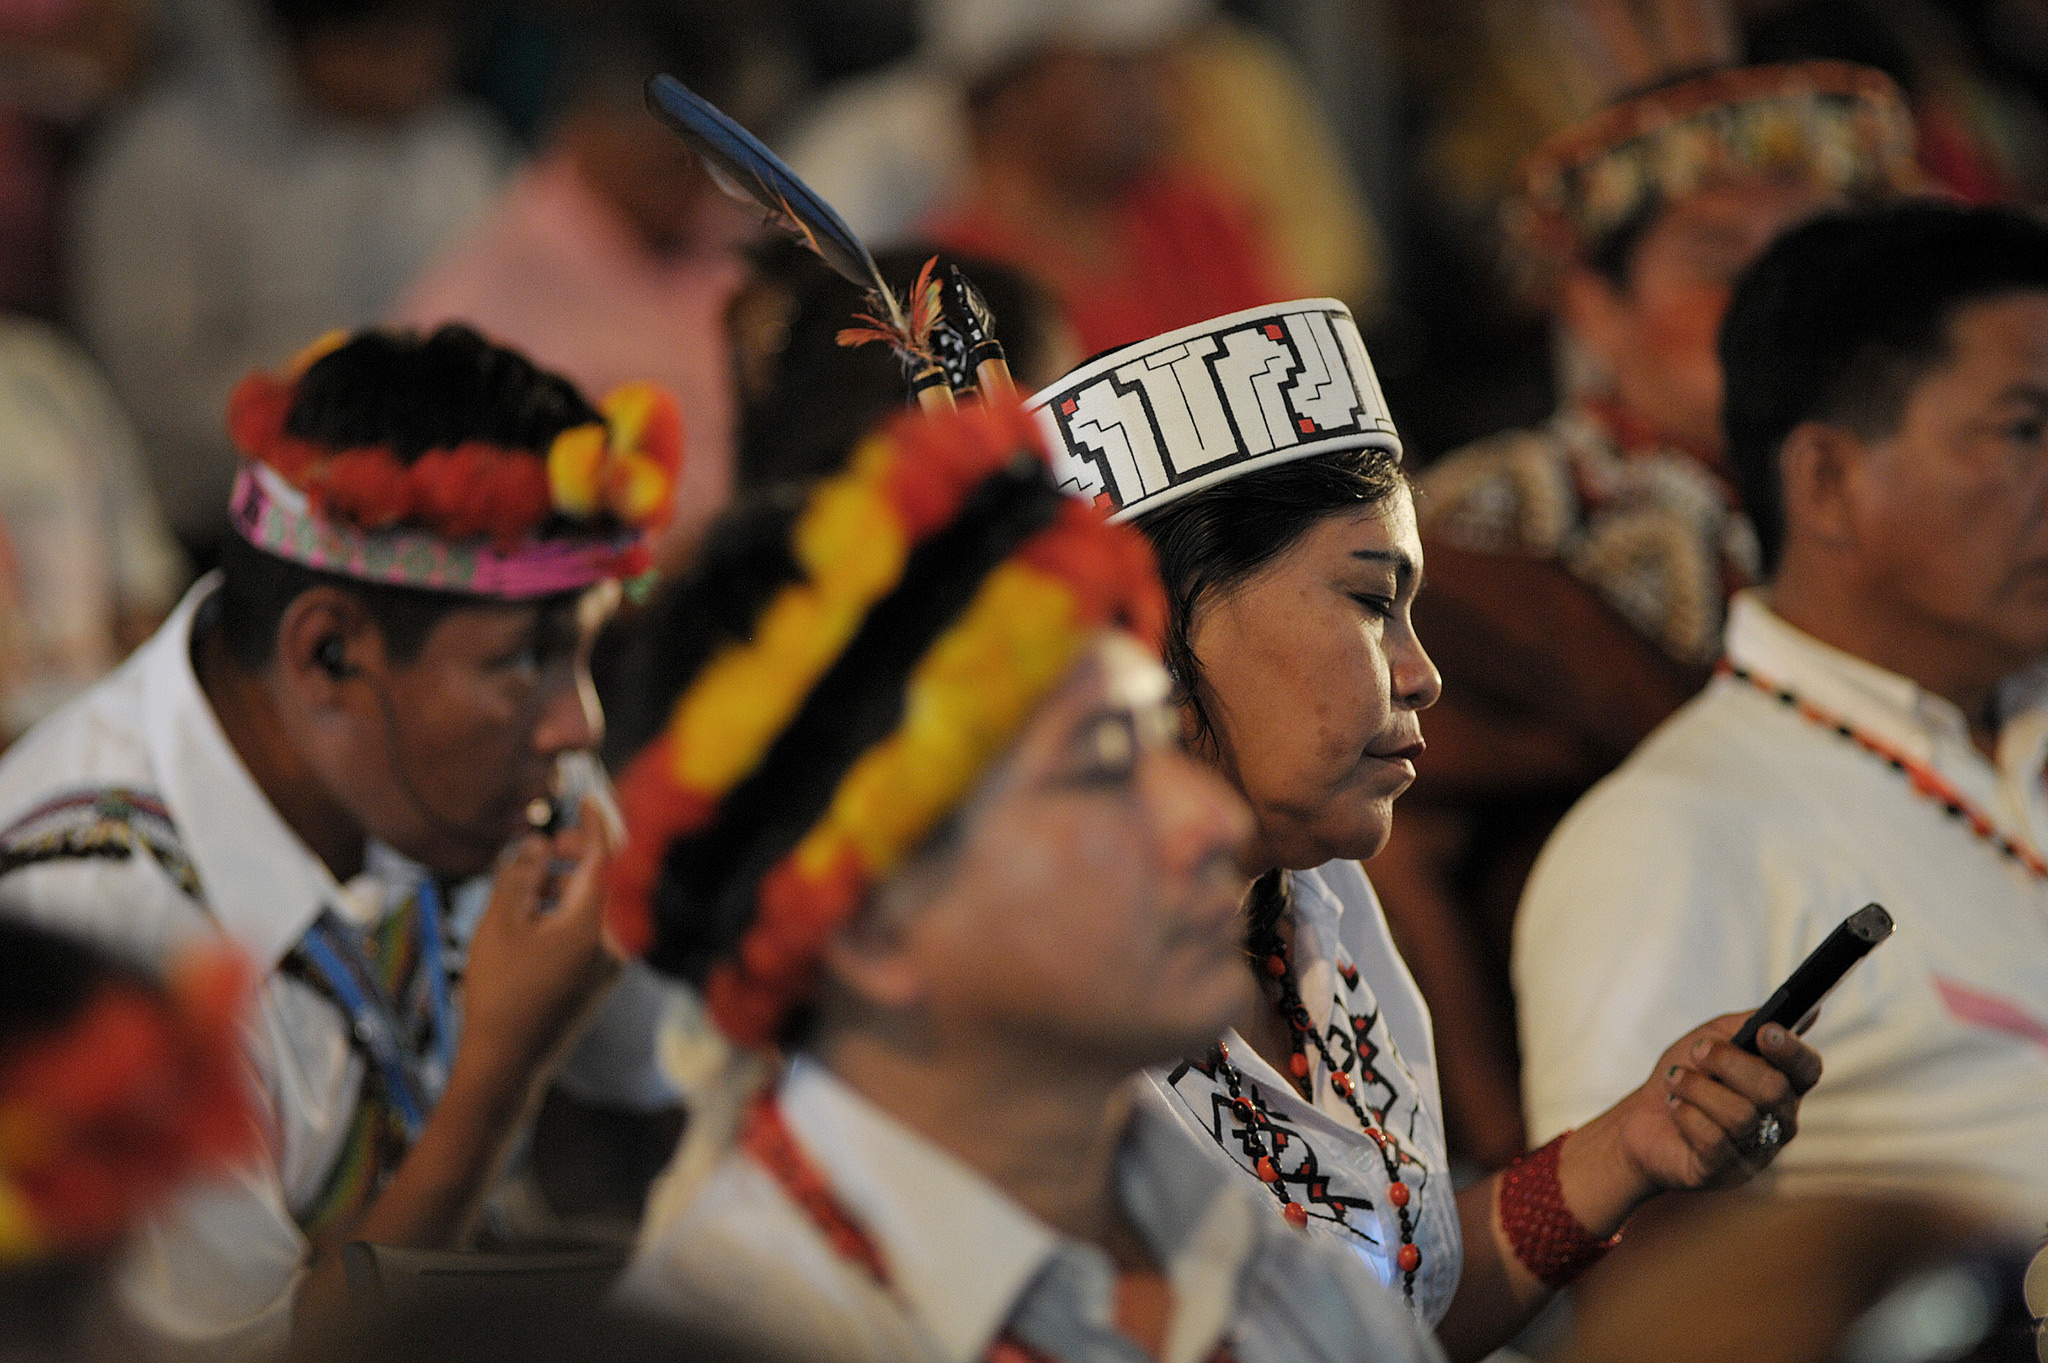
[
  {"x": 1842, "y": 317},
  {"x": 257, "y": 588}
]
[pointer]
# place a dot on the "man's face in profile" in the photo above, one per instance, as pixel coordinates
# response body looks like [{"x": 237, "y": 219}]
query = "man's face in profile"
[{"x": 1954, "y": 504}]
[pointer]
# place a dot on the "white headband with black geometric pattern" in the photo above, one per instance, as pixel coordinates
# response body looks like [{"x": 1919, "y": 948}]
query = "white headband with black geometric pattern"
[{"x": 1147, "y": 424}]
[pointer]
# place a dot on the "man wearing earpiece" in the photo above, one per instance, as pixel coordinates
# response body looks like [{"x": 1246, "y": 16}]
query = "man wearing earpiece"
[{"x": 356, "y": 713}]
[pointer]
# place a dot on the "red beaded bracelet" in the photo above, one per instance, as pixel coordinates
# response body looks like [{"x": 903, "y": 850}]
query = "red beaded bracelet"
[{"x": 1547, "y": 1238}]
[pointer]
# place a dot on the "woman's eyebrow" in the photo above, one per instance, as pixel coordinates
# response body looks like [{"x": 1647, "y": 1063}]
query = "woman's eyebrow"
[{"x": 1402, "y": 564}]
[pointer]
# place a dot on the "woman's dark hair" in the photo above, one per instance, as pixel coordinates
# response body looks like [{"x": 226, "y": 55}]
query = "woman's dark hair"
[
  {"x": 1211, "y": 541},
  {"x": 412, "y": 392}
]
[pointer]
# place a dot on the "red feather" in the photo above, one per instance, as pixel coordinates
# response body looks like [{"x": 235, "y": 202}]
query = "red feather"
[
  {"x": 926, "y": 308},
  {"x": 867, "y": 335}
]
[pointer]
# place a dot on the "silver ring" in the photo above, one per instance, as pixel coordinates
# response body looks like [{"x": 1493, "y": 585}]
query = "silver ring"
[{"x": 1768, "y": 1136}]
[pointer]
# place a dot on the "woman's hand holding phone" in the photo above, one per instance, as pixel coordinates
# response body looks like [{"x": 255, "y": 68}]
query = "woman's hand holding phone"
[{"x": 1710, "y": 1116}]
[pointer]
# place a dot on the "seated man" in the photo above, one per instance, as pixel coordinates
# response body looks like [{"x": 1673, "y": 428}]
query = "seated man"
[
  {"x": 90, "y": 568},
  {"x": 1877, "y": 731},
  {"x": 920, "y": 817},
  {"x": 362, "y": 708},
  {"x": 1578, "y": 570}
]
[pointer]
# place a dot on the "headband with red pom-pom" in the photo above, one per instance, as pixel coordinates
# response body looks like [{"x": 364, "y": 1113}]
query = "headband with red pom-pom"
[
  {"x": 477, "y": 518},
  {"x": 105, "y": 1114}
]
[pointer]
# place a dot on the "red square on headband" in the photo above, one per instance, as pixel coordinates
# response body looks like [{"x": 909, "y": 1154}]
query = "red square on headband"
[
  {"x": 1307, "y": 427},
  {"x": 1068, "y": 406},
  {"x": 1273, "y": 330}
]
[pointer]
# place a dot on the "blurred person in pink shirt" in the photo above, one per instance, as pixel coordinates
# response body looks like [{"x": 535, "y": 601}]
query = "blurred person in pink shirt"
[{"x": 612, "y": 255}]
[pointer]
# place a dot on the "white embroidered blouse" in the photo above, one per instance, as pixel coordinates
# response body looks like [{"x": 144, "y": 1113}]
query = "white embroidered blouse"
[{"x": 1373, "y": 1020}]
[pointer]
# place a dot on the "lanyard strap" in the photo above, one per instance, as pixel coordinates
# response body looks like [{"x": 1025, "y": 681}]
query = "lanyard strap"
[
  {"x": 767, "y": 1138},
  {"x": 336, "y": 954},
  {"x": 432, "y": 951}
]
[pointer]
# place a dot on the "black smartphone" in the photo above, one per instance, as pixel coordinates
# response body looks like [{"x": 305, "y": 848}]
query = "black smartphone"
[{"x": 1805, "y": 987}]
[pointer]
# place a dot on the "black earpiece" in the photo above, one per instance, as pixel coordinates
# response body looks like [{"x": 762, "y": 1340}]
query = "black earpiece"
[{"x": 332, "y": 660}]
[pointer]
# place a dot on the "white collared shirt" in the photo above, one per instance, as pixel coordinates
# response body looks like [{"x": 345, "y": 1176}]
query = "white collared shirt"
[
  {"x": 214, "y": 1275},
  {"x": 1691, "y": 882},
  {"x": 966, "y": 1264},
  {"x": 1330, "y": 1166}
]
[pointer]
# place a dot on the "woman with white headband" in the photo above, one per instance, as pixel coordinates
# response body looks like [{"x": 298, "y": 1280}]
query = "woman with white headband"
[{"x": 1257, "y": 454}]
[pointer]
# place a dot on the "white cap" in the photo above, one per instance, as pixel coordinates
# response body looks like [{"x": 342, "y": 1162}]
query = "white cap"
[
  {"x": 1147, "y": 424},
  {"x": 973, "y": 38}
]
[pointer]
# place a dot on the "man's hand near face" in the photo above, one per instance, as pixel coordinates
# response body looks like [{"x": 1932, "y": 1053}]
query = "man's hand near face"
[
  {"x": 537, "y": 965},
  {"x": 538, "y": 959}
]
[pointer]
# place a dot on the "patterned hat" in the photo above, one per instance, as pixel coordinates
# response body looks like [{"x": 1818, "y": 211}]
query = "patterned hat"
[
  {"x": 878, "y": 647},
  {"x": 1140, "y": 427},
  {"x": 471, "y": 517},
  {"x": 1843, "y": 128}
]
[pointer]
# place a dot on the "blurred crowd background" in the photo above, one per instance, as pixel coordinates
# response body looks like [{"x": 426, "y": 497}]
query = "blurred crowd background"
[{"x": 190, "y": 189}]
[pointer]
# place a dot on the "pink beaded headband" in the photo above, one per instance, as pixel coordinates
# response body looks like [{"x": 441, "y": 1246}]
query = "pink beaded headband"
[{"x": 274, "y": 516}]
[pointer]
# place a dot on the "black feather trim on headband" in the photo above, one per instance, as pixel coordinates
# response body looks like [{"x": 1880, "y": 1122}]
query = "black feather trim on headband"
[{"x": 706, "y": 898}]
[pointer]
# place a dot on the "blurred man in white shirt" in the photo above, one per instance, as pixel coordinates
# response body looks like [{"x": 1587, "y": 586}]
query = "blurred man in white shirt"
[{"x": 1877, "y": 732}]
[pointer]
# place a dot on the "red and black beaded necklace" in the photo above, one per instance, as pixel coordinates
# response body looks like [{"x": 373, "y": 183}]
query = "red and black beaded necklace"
[
  {"x": 1269, "y": 952},
  {"x": 1925, "y": 780}
]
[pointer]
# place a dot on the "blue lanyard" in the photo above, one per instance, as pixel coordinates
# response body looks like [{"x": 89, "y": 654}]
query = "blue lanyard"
[
  {"x": 442, "y": 1033},
  {"x": 336, "y": 951}
]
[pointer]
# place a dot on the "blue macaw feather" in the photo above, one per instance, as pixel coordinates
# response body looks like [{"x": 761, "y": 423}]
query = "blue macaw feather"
[{"x": 753, "y": 174}]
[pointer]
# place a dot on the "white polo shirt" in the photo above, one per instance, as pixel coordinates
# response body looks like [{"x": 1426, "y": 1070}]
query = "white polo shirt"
[
  {"x": 967, "y": 1265},
  {"x": 1691, "y": 881}
]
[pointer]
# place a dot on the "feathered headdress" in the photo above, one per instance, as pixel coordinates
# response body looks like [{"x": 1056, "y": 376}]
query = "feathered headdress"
[
  {"x": 747, "y": 170},
  {"x": 1842, "y": 128},
  {"x": 474, "y": 517}
]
